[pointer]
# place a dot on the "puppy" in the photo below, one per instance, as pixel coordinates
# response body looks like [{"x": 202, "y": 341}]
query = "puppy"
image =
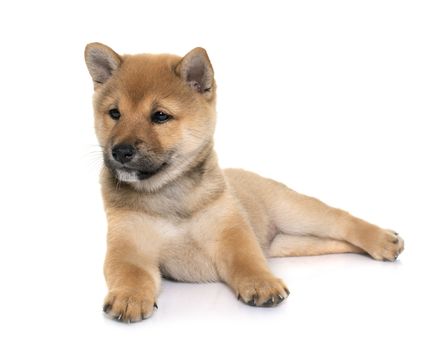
[{"x": 173, "y": 212}]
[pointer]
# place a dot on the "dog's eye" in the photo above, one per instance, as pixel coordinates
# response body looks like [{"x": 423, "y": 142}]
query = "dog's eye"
[
  {"x": 114, "y": 113},
  {"x": 160, "y": 117}
]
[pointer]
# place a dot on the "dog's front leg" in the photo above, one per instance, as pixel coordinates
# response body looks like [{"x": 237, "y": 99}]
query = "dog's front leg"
[
  {"x": 131, "y": 272},
  {"x": 242, "y": 265}
]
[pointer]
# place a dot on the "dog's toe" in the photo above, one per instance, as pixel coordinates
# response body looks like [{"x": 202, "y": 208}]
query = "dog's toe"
[
  {"x": 265, "y": 291},
  {"x": 128, "y": 307}
]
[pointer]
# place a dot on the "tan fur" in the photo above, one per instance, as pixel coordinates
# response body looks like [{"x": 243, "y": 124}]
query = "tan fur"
[{"x": 191, "y": 221}]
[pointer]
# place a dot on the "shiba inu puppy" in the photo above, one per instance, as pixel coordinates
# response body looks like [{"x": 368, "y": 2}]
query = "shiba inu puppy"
[{"x": 173, "y": 212}]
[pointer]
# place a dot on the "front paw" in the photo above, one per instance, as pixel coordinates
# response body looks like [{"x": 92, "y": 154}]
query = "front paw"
[
  {"x": 385, "y": 245},
  {"x": 128, "y": 305},
  {"x": 261, "y": 290}
]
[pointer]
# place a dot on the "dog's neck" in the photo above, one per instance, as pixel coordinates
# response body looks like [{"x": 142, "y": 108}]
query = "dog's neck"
[{"x": 202, "y": 183}]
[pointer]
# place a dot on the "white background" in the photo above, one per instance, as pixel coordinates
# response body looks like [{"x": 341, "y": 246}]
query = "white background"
[{"x": 330, "y": 97}]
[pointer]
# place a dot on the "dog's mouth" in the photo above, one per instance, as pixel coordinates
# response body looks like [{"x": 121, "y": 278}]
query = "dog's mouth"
[
  {"x": 146, "y": 174},
  {"x": 129, "y": 174}
]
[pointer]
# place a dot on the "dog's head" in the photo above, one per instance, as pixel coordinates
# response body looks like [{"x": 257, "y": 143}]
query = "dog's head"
[{"x": 154, "y": 114}]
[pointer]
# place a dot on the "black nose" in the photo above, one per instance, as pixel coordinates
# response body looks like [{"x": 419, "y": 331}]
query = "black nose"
[{"x": 123, "y": 153}]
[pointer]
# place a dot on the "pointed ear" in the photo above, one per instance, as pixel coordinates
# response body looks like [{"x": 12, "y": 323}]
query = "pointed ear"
[
  {"x": 195, "y": 68},
  {"x": 101, "y": 62}
]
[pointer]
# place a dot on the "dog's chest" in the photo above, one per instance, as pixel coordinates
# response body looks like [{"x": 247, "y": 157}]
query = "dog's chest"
[
  {"x": 169, "y": 230},
  {"x": 184, "y": 251}
]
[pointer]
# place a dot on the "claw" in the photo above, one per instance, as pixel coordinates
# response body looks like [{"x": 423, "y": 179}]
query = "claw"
[
  {"x": 252, "y": 301},
  {"x": 107, "y": 307},
  {"x": 269, "y": 302}
]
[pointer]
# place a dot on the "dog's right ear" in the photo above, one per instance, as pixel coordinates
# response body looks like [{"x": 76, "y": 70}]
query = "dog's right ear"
[
  {"x": 101, "y": 62},
  {"x": 195, "y": 69}
]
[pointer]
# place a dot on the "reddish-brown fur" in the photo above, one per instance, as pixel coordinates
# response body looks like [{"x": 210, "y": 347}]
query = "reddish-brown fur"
[{"x": 192, "y": 221}]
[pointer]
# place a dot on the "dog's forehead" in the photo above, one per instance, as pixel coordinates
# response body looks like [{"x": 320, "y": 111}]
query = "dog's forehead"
[{"x": 141, "y": 75}]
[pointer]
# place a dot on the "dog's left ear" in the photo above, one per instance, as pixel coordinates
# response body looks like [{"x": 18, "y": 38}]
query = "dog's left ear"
[
  {"x": 195, "y": 68},
  {"x": 101, "y": 62}
]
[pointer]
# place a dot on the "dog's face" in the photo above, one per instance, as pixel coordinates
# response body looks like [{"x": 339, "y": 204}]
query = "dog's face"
[{"x": 154, "y": 114}]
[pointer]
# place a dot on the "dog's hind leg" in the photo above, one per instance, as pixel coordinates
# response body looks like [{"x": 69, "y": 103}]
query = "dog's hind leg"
[
  {"x": 284, "y": 211},
  {"x": 295, "y": 214},
  {"x": 293, "y": 245}
]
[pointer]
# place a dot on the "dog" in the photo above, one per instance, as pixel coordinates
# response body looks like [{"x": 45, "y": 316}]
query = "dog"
[{"x": 173, "y": 212}]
